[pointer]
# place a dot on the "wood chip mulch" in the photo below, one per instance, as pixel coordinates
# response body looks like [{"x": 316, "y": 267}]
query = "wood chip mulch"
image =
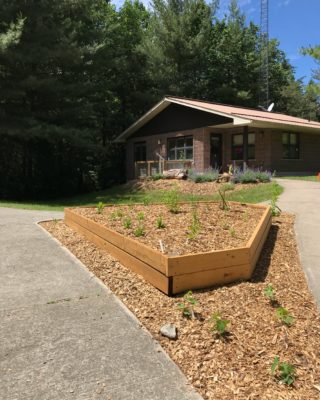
[
  {"x": 237, "y": 367},
  {"x": 216, "y": 229},
  {"x": 183, "y": 186}
]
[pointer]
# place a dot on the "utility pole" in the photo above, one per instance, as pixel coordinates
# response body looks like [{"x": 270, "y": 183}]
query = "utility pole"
[{"x": 264, "y": 55}]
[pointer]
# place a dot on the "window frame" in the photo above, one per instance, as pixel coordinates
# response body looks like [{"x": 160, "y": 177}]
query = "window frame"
[
  {"x": 135, "y": 146},
  {"x": 287, "y": 147},
  {"x": 250, "y": 146},
  {"x": 177, "y": 148}
]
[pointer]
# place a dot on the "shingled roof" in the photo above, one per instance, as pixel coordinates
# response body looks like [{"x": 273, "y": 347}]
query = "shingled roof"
[{"x": 238, "y": 115}]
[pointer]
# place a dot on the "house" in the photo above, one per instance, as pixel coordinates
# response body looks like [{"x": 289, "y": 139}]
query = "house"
[{"x": 180, "y": 132}]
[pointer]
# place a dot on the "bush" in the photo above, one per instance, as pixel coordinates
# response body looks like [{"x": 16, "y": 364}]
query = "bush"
[
  {"x": 251, "y": 176},
  {"x": 209, "y": 175},
  {"x": 156, "y": 177}
]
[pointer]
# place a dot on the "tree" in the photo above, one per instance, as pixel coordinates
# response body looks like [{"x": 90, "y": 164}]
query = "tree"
[{"x": 176, "y": 44}]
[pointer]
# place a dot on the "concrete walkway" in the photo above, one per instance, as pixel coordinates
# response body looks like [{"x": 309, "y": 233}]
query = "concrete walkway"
[
  {"x": 63, "y": 335},
  {"x": 303, "y": 199}
]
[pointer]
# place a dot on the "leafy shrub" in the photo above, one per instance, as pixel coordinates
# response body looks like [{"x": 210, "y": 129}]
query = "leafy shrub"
[
  {"x": 286, "y": 371},
  {"x": 219, "y": 324},
  {"x": 172, "y": 200},
  {"x": 100, "y": 207},
  {"x": 127, "y": 223},
  {"x": 160, "y": 224},
  {"x": 156, "y": 177},
  {"x": 250, "y": 176},
  {"x": 209, "y": 175},
  {"x": 284, "y": 316},
  {"x": 187, "y": 306}
]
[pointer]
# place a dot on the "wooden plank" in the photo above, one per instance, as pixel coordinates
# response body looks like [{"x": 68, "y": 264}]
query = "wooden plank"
[
  {"x": 191, "y": 263},
  {"x": 214, "y": 277},
  {"x": 139, "y": 250},
  {"x": 150, "y": 274},
  {"x": 256, "y": 255},
  {"x": 254, "y": 241}
]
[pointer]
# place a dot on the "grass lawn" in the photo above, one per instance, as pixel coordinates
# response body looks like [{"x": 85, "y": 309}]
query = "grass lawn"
[
  {"x": 312, "y": 178},
  {"x": 124, "y": 195}
]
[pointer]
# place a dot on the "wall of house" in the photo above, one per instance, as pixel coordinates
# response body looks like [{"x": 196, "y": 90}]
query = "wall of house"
[
  {"x": 158, "y": 144},
  {"x": 309, "y": 160}
]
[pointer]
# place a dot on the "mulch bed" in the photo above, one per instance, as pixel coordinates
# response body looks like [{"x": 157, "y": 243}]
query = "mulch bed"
[
  {"x": 184, "y": 186},
  {"x": 237, "y": 367},
  {"x": 213, "y": 228}
]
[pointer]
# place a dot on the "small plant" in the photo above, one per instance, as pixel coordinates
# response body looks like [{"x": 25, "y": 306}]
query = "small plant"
[
  {"x": 245, "y": 216},
  {"x": 172, "y": 201},
  {"x": 157, "y": 176},
  {"x": 195, "y": 224},
  {"x": 228, "y": 186},
  {"x": 116, "y": 215},
  {"x": 232, "y": 232},
  {"x": 223, "y": 205},
  {"x": 160, "y": 224},
  {"x": 284, "y": 316},
  {"x": 187, "y": 306},
  {"x": 146, "y": 200},
  {"x": 286, "y": 371},
  {"x": 209, "y": 175},
  {"x": 275, "y": 210},
  {"x": 140, "y": 216},
  {"x": 100, "y": 207},
  {"x": 269, "y": 292},
  {"x": 139, "y": 231},
  {"x": 127, "y": 223},
  {"x": 219, "y": 325}
]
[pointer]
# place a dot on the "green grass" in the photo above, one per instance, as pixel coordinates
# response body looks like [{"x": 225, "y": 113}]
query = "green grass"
[
  {"x": 312, "y": 178},
  {"x": 123, "y": 195}
]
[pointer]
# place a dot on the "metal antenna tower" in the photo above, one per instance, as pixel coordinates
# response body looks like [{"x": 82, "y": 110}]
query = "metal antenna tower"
[{"x": 264, "y": 55}]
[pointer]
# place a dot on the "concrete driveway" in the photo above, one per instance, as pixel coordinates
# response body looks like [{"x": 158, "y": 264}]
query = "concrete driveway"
[
  {"x": 303, "y": 199},
  {"x": 63, "y": 335}
]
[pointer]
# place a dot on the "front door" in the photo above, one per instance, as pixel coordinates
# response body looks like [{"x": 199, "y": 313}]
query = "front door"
[{"x": 216, "y": 151}]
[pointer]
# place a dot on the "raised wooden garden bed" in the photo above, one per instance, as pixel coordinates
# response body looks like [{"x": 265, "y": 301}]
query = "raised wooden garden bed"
[{"x": 176, "y": 273}]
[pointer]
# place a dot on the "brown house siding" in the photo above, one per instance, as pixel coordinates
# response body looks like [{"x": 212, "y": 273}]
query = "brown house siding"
[
  {"x": 268, "y": 149},
  {"x": 309, "y": 160}
]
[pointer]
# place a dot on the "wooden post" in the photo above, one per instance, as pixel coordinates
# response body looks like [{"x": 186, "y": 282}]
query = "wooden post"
[{"x": 245, "y": 147}]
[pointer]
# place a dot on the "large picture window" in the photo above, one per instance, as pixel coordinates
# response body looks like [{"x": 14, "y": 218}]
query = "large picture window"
[
  {"x": 180, "y": 148},
  {"x": 290, "y": 146},
  {"x": 140, "y": 151},
  {"x": 237, "y": 146}
]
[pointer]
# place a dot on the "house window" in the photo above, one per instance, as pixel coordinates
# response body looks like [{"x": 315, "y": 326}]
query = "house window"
[
  {"x": 290, "y": 146},
  {"x": 140, "y": 151},
  {"x": 237, "y": 146},
  {"x": 180, "y": 148}
]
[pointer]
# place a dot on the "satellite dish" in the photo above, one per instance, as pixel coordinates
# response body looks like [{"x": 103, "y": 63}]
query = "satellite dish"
[{"x": 270, "y": 108}]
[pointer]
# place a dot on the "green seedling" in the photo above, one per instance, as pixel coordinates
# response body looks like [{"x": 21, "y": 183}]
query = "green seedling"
[
  {"x": 269, "y": 292},
  {"x": 139, "y": 231},
  {"x": 284, "y": 316},
  {"x": 100, "y": 207},
  {"x": 286, "y": 371},
  {"x": 146, "y": 200},
  {"x": 219, "y": 325},
  {"x": 232, "y": 232},
  {"x": 172, "y": 201},
  {"x": 187, "y": 306},
  {"x": 223, "y": 205},
  {"x": 195, "y": 225},
  {"x": 116, "y": 215},
  {"x": 140, "y": 216},
  {"x": 245, "y": 216},
  {"x": 160, "y": 224},
  {"x": 127, "y": 223}
]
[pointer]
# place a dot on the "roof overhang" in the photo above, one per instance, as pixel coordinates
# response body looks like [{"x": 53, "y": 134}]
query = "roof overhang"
[{"x": 236, "y": 120}]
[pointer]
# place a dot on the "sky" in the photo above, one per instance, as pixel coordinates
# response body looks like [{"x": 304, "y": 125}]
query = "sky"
[{"x": 295, "y": 23}]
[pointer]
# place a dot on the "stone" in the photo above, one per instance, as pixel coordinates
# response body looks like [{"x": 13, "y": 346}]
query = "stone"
[{"x": 169, "y": 331}]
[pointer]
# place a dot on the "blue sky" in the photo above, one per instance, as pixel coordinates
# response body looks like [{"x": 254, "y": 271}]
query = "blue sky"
[{"x": 295, "y": 23}]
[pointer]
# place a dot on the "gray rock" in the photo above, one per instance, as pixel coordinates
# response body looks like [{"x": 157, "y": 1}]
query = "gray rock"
[{"x": 169, "y": 331}]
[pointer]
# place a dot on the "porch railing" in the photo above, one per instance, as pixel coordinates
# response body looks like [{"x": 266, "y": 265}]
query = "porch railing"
[{"x": 144, "y": 169}]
